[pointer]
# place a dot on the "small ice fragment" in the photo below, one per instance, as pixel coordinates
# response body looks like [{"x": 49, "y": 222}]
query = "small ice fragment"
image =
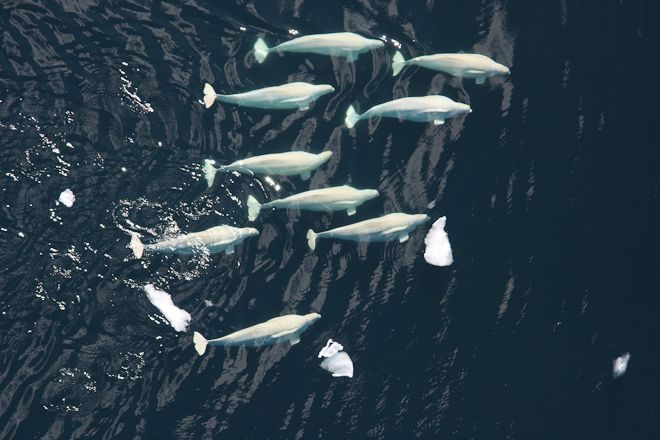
[
  {"x": 431, "y": 204},
  {"x": 336, "y": 361},
  {"x": 243, "y": 28},
  {"x": 620, "y": 365},
  {"x": 67, "y": 198},
  {"x": 123, "y": 169},
  {"x": 438, "y": 249},
  {"x": 178, "y": 318},
  {"x": 208, "y": 303}
]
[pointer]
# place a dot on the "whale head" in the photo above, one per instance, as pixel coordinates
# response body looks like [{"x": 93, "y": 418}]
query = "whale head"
[
  {"x": 312, "y": 317},
  {"x": 324, "y": 156},
  {"x": 323, "y": 89},
  {"x": 250, "y": 232},
  {"x": 500, "y": 69},
  {"x": 369, "y": 194},
  {"x": 420, "y": 219},
  {"x": 462, "y": 109},
  {"x": 375, "y": 44}
]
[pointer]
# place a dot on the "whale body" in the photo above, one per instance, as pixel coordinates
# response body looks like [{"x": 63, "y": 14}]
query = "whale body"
[
  {"x": 291, "y": 163},
  {"x": 287, "y": 328},
  {"x": 340, "y": 44},
  {"x": 464, "y": 65},
  {"x": 388, "y": 227},
  {"x": 287, "y": 96},
  {"x": 434, "y": 108},
  {"x": 335, "y": 198},
  {"x": 216, "y": 239}
]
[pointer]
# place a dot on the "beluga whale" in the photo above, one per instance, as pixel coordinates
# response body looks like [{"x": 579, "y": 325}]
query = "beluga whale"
[
  {"x": 216, "y": 239},
  {"x": 436, "y": 108},
  {"x": 338, "y": 44},
  {"x": 290, "y": 163},
  {"x": 464, "y": 65},
  {"x": 287, "y": 328},
  {"x": 388, "y": 227},
  {"x": 295, "y": 95},
  {"x": 335, "y": 198}
]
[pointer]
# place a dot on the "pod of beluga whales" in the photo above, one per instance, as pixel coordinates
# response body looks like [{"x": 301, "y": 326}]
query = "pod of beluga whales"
[{"x": 298, "y": 96}]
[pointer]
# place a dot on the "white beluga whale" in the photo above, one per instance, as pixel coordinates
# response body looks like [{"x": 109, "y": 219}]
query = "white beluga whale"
[
  {"x": 385, "y": 228},
  {"x": 336, "y": 198},
  {"x": 464, "y": 65},
  {"x": 434, "y": 108},
  {"x": 338, "y": 44},
  {"x": 216, "y": 239},
  {"x": 291, "y": 163},
  {"x": 287, "y": 96},
  {"x": 287, "y": 328}
]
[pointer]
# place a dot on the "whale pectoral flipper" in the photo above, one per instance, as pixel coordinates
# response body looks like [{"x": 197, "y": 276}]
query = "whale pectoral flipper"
[
  {"x": 351, "y": 57},
  {"x": 394, "y": 230},
  {"x": 303, "y": 106},
  {"x": 351, "y": 211},
  {"x": 438, "y": 121},
  {"x": 294, "y": 341},
  {"x": 403, "y": 238},
  {"x": 283, "y": 334},
  {"x": 306, "y": 175},
  {"x": 480, "y": 80},
  {"x": 229, "y": 250}
]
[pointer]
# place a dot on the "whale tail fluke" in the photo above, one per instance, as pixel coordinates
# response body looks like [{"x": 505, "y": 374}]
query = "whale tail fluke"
[
  {"x": 209, "y": 95},
  {"x": 200, "y": 343},
  {"x": 253, "y": 208},
  {"x": 260, "y": 50},
  {"x": 311, "y": 239},
  {"x": 136, "y": 246},
  {"x": 210, "y": 171},
  {"x": 351, "y": 117},
  {"x": 398, "y": 62}
]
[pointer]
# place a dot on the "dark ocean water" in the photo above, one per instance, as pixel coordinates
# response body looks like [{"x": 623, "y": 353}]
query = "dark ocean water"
[{"x": 551, "y": 188}]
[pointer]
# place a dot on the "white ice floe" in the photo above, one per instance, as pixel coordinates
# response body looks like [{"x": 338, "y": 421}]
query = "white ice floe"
[
  {"x": 336, "y": 361},
  {"x": 438, "y": 248},
  {"x": 178, "y": 318},
  {"x": 67, "y": 198},
  {"x": 620, "y": 365}
]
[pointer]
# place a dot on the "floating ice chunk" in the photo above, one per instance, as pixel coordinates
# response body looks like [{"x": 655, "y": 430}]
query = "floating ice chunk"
[
  {"x": 336, "y": 361},
  {"x": 620, "y": 365},
  {"x": 438, "y": 248},
  {"x": 331, "y": 348},
  {"x": 340, "y": 365},
  {"x": 67, "y": 198},
  {"x": 178, "y": 318}
]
